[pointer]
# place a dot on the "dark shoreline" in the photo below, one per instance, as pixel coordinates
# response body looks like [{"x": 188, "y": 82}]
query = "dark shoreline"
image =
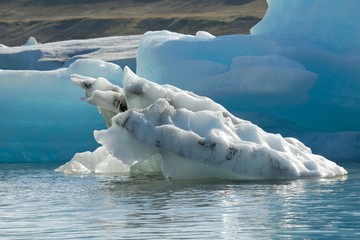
[{"x": 85, "y": 19}]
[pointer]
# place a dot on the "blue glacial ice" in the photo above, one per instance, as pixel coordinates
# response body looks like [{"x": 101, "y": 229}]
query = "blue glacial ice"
[
  {"x": 42, "y": 118},
  {"x": 296, "y": 74},
  {"x": 299, "y": 80}
]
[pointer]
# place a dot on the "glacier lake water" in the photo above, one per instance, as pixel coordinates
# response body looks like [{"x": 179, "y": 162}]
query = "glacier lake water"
[{"x": 38, "y": 203}]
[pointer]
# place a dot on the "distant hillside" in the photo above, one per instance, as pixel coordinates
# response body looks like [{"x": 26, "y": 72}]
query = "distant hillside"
[{"x": 50, "y": 21}]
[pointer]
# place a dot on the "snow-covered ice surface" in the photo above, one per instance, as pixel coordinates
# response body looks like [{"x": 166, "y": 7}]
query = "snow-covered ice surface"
[{"x": 299, "y": 80}]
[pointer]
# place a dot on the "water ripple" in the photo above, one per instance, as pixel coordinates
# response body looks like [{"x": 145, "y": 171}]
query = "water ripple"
[{"x": 37, "y": 203}]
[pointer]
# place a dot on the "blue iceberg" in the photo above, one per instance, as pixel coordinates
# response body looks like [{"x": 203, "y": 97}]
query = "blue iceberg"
[{"x": 294, "y": 76}]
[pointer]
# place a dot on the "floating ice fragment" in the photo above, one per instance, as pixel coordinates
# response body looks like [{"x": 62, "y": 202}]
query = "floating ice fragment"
[
  {"x": 31, "y": 41},
  {"x": 204, "y": 35},
  {"x": 99, "y": 161}
]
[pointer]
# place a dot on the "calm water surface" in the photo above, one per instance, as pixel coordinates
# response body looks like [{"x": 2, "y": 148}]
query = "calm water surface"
[{"x": 38, "y": 203}]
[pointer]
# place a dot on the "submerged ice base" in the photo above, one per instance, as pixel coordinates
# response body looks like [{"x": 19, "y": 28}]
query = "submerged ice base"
[{"x": 186, "y": 136}]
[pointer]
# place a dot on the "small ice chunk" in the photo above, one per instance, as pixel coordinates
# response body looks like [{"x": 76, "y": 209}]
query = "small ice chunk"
[
  {"x": 31, "y": 41},
  {"x": 204, "y": 35}
]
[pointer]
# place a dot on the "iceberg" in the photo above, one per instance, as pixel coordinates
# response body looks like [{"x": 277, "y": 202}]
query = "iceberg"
[
  {"x": 187, "y": 137},
  {"x": 120, "y": 50}
]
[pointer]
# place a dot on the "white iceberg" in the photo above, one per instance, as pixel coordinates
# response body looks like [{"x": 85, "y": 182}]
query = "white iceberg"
[{"x": 192, "y": 137}]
